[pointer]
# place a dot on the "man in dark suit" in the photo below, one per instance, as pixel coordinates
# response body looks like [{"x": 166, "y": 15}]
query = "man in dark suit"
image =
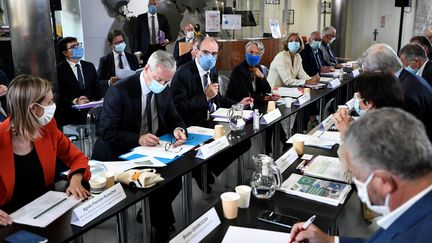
[
  {"x": 328, "y": 36},
  {"x": 188, "y": 32},
  {"x": 414, "y": 59},
  {"x": 77, "y": 83},
  {"x": 195, "y": 88},
  {"x": 312, "y": 56},
  {"x": 117, "y": 59},
  {"x": 393, "y": 177},
  {"x": 136, "y": 110},
  {"x": 423, "y": 42},
  {"x": 418, "y": 92},
  {"x": 151, "y": 26}
]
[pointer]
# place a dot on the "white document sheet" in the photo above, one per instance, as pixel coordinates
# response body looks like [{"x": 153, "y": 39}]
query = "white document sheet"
[
  {"x": 326, "y": 168},
  {"x": 159, "y": 150},
  {"x": 200, "y": 130},
  {"x": 223, "y": 113},
  {"x": 328, "y": 135},
  {"x": 44, "y": 209},
  {"x": 288, "y": 92},
  {"x": 124, "y": 73},
  {"x": 237, "y": 234},
  {"x": 122, "y": 166},
  {"x": 311, "y": 141}
]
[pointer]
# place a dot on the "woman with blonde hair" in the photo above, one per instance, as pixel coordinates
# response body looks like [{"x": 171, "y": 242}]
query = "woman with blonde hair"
[{"x": 30, "y": 142}]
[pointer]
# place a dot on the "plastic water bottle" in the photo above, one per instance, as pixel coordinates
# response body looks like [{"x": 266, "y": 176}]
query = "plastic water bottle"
[{"x": 256, "y": 117}]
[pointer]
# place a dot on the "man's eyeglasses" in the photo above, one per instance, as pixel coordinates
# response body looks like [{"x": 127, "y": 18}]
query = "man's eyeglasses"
[
  {"x": 169, "y": 146},
  {"x": 75, "y": 46},
  {"x": 205, "y": 52}
]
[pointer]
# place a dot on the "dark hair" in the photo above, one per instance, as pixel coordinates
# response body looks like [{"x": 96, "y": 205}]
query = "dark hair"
[
  {"x": 411, "y": 51},
  {"x": 423, "y": 41},
  {"x": 383, "y": 89},
  {"x": 62, "y": 44},
  {"x": 112, "y": 34},
  {"x": 199, "y": 40}
]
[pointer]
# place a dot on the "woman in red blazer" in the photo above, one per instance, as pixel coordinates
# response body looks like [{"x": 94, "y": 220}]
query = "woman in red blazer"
[{"x": 30, "y": 142}]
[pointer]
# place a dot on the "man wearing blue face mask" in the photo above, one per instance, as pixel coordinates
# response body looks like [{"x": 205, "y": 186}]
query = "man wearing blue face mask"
[
  {"x": 77, "y": 83},
  {"x": 414, "y": 58},
  {"x": 115, "y": 61},
  {"x": 247, "y": 78},
  {"x": 152, "y": 32},
  {"x": 312, "y": 56},
  {"x": 328, "y": 36},
  {"x": 389, "y": 155}
]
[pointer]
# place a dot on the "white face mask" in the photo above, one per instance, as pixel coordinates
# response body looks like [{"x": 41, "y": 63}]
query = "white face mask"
[
  {"x": 48, "y": 114},
  {"x": 363, "y": 194},
  {"x": 190, "y": 35}
]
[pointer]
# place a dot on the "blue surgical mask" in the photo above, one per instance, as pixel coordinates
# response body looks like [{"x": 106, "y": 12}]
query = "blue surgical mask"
[
  {"x": 411, "y": 70},
  {"x": 315, "y": 45},
  {"x": 77, "y": 53},
  {"x": 152, "y": 9},
  {"x": 119, "y": 48},
  {"x": 359, "y": 111},
  {"x": 252, "y": 60},
  {"x": 293, "y": 46},
  {"x": 207, "y": 62},
  {"x": 156, "y": 87}
]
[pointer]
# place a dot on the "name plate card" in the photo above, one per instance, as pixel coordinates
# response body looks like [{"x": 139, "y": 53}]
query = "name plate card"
[
  {"x": 271, "y": 116},
  {"x": 210, "y": 149},
  {"x": 350, "y": 103},
  {"x": 286, "y": 160},
  {"x": 327, "y": 123},
  {"x": 355, "y": 73},
  {"x": 199, "y": 229},
  {"x": 333, "y": 83},
  {"x": 302, "y": 99},
  {"x": 94, "y": 207}
]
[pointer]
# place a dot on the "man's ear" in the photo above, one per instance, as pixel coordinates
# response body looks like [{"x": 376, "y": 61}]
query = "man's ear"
[
  {"x": 66, "y": 53},
  {"x": 388, "y": 182}
]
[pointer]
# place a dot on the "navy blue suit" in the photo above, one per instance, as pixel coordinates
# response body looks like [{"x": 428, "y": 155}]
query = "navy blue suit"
[
  {"x": 418, "y": 98},
  {"x": 427, "y": 72},
  {"x": 310, "y": 63},
  {"x": 415, "y": 225}
]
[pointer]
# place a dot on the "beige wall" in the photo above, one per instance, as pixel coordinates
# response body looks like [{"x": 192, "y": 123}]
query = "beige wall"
[{"x": 305, "y": 16}]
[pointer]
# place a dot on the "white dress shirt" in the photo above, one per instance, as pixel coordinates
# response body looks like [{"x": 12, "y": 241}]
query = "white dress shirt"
[
  {"x": 202, "y": 72},
  {"x": 144, "y": 91},
  {"x": 284, "y": 73},
  {"x": 117, "y": 61},
  {"x": 149, "y": 16},
  {"x": 74, "y": 69}
]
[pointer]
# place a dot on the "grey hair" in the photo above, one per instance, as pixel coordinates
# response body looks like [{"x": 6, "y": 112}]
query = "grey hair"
[
  {"x": 411, "y": 51},
  {"x": 380, "y": 57},
  {"x": 390, "y": 139},
  {"x": 328, "y": 30},
  {"x": 163, "y": 59},
  {"x": 259, "y": 44}
]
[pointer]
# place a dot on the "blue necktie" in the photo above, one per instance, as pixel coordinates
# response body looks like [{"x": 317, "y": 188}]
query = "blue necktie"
[
  {"x": 148, "y": 112},
  {"x": 80, "y": 77},
  {"x": 206, "y": 84}
]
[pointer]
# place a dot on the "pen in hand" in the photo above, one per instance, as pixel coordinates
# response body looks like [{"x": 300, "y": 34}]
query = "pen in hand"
[{"x": 304, "y": 227}]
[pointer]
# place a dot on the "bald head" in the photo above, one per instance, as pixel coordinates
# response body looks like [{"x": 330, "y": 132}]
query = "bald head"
[
  {"x": 315, "y": 36},
  {"x": 381, "y": 57}
]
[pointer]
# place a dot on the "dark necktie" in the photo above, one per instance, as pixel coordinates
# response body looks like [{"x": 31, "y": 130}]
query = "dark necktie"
[
  {"x": 153, "y": 30},
  {"x": 318, "y": 60},
  {"x": 333, "y": 59},
  {"x": 80, "y": 77},
  {"x": 206, "y": 84},
  {"x": 120, "y": 61},
  {"x": 148, "y": 112}
]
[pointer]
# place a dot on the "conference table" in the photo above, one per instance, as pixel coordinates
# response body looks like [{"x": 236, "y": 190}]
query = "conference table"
[{"x": 61, "y": 229}]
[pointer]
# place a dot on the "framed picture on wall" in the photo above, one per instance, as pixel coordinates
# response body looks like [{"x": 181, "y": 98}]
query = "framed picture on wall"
[
  {"x": 272, "y": 1},
  {"x": 288, "y": 16}
]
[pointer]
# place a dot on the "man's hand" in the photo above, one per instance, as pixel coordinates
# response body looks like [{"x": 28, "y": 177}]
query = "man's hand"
[
  {"x": 246, "y": 101},
  {"x": 312, "y": 234},
  {"x": 80, "y": 100},
  {"x": 339, "y": 66},
  {"x": 148, "y": 140},
  {"x": 314, "y": 80},
  {"x": 211, "y": 91},
  {"x": 76, "y": 189},
  {"x": 326, "y": 69},
  {"x": 180, "y": 137},
  {"x": 166, "y": 42},
  {"x": 5, "y": 219},
  {"x": 3, "y": 90},
  {"x": 113, "y": 80}
]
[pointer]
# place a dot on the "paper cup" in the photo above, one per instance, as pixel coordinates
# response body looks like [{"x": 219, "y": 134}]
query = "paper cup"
[
  {"x": 288, "y": 101},
  {"x": 343, "y": 107},
  {"x": 299, "y": 146},
  {"x": 229, "y": 204},
  {"x": 271, "y": 106},
  {"x": 244, "y": 193},
  {"x": 306, "y": 91},
  {"x": 97, "y": 184},
  {"x": 218, "y": 131},
  {"x": 109, "y": 176}
]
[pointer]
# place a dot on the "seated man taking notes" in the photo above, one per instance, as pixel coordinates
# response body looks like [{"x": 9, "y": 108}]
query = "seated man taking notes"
[{"x": 389, "y": 155}]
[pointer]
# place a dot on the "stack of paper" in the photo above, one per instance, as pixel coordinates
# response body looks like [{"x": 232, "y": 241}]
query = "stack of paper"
[
  {"x": 288, "y": 92},
  {"x": 325, "y": 80},
  {"x": 312, "y": 141},
  {"x": 326, "y": 168},
  {"x": 336, "y": 73},
  {"x": 328, "y": 192},
  {"x": 237, "y": 234},
  {"x": 223, "y": 113},
  {"x": 330, "y": 136}
]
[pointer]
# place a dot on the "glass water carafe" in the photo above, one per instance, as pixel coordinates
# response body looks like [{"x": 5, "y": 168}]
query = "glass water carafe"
[
  {"x": 236, "y": 120},
  {"x": 266, "y": 178}
]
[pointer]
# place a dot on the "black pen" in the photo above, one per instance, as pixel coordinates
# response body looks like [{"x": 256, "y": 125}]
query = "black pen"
[{"x": 48, "y": 209}]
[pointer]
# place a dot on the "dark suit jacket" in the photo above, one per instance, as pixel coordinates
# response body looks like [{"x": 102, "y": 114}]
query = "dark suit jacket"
[
  {"x": 189, "y": 97},
  {"x": 142, "y": 34},
  {"x": 427, "y": 72},
  {"x": 176, "y": 47},
  {"x": 240, "y": 85},
  {"x": 69, "y": 89},
  {"x": 120, "y": 121},
  {"x": 308, "y": 60},
  {"x": 106, "y": 68},
  {"x": 418, "y": 98},
  {"x": 412, "y": 226}
]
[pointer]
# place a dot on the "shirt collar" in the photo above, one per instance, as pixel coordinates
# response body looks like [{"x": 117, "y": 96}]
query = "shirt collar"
[
  {"x": 116, "y": 54},
  {"x": 72, "y": 64},
  {"x": 398, "y": 72},
  {"x": 390, "y": 218},
  {"x": 421, "y": 69},
  {"x": 200, "y": 69},
  {"x": 149, "y": 15},
  {"x": 144, "y": 87}
]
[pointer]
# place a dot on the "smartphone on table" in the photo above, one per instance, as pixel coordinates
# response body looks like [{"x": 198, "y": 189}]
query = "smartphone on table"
[{"x": 278, "y": 219}]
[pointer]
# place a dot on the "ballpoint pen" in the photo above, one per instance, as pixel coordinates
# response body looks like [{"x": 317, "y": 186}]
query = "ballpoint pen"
[{"x": 304, "y": 227}]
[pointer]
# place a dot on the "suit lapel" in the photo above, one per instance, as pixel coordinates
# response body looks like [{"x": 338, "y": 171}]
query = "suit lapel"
[
  {"x": 136, "y": 93},
  {"x": 111, "y": 62}
]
